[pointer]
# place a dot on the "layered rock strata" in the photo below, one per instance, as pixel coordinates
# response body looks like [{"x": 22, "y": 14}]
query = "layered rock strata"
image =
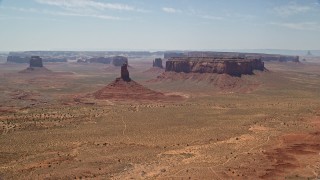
[{"x": 234, "y": 67}]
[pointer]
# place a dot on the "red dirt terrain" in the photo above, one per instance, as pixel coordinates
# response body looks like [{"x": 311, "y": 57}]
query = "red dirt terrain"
[
  {"x": 297, "y": 154},
  {"x": 293, "y": 155}
]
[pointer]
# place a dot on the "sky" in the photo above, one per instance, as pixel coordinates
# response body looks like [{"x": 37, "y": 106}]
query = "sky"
[{"x": 159, "y": 24}]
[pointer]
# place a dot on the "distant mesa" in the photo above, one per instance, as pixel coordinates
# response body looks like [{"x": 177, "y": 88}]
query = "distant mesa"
[
  {"x": 233, "y": 55},
  {"x": 276, "y": 58},
  {"x": 157, "y": 67},
  {"x": 115, "y": 60},
  {"x": 24, "y": 57},
  {"x": 17, "y": 59},
  {"x": 36, "y": 65},
  {"x": 119, "y": 60},
  {"x": 124, "y": 89},
  {"x": 103, "y": 60},
  {"x": 231, "y": 66},
  {"x": 157, "y": 63}
]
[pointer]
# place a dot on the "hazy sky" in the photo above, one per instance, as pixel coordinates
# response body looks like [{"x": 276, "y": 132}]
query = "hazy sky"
[{"x": 159, "y": 24}]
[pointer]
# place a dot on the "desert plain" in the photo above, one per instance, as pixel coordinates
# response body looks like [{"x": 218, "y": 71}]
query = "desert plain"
[{"x": 215, "y": 126}]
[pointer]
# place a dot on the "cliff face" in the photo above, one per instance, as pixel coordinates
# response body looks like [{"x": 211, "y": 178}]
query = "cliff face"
[
  {"x": 26, "y": 59},
  {"x": 235, "y": 67}
]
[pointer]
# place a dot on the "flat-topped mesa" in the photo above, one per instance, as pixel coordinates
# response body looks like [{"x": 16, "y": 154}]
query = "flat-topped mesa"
[
  {"x": 157, "y": 63},
  {"x": 35, "y": 61},
  {"x": 119, "y": 60},
  {"x": 212, "y": 54},
  {"x": 231, "y": 66},
  {"x": 125, "y": 73}
]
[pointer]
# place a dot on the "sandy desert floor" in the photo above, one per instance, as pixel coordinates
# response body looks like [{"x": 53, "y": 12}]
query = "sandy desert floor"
[{"x": 263, "y": 126}]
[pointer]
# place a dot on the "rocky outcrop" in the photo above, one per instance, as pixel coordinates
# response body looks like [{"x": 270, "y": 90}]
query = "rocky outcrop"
[
  {"x": 125, "y": 73},
  {"x": 125, "y": 89},
  {"x": 119, "y": 60},
  {"x": 157, "y": 63},
  {"x": 35, "y": 61},
  {"x": 234, "y": 67}
]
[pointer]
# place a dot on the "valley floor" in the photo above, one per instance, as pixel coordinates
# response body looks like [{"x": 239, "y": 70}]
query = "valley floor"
[{"x": 269, "y": 131}]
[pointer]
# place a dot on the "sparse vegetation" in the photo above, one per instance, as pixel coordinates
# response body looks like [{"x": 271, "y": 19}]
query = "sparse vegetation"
[{"x": 47, "y": 134}]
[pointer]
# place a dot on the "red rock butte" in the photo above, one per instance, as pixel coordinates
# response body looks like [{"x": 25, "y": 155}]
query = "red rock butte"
[
  {"x": 231, "y": 66},
  {"x": 36, "y": 66},
  {"x": 124, "y": 88},
  {"x": 125, "y": 73}
]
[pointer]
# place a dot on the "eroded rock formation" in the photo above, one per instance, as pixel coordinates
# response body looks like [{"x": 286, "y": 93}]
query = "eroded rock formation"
[
  {"x": 157, "y": 63},
  {"x": 125, "y": 89},
  {"x": 234, "y": 67},
  {"x": 35, "y": 61},
  {"x": 36, "y": 66},
  {"x": 125, "y": 73}
]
